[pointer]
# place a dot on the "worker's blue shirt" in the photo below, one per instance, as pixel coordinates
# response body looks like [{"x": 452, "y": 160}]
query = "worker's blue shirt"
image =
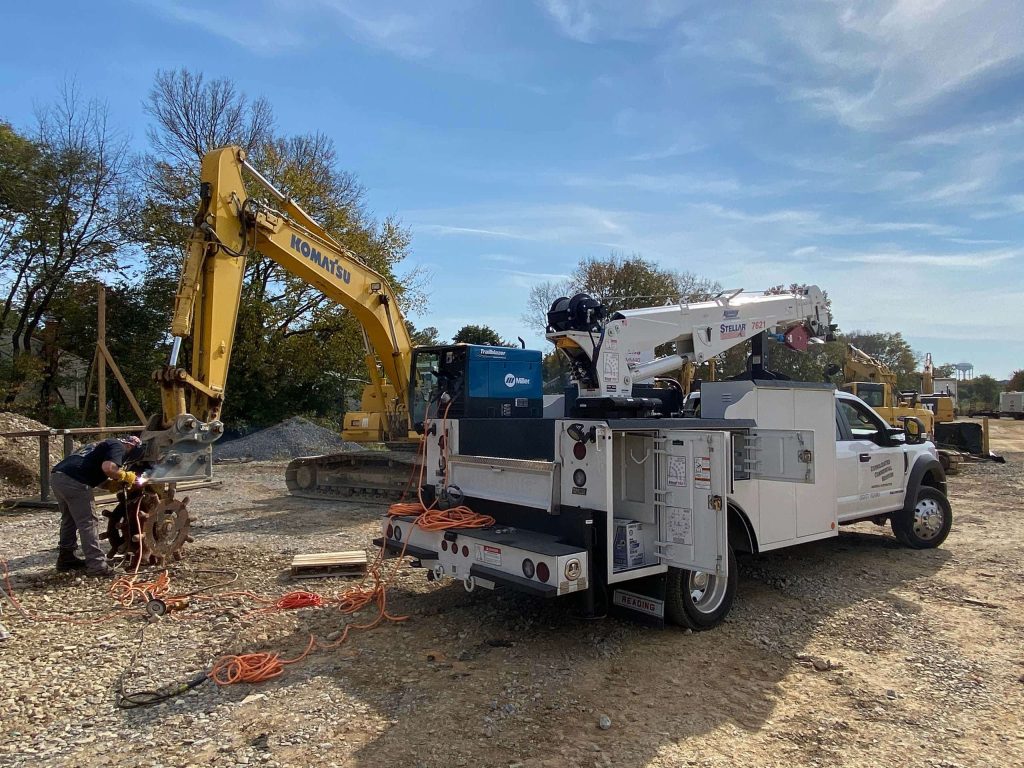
[{"x": 86, "y": 464}]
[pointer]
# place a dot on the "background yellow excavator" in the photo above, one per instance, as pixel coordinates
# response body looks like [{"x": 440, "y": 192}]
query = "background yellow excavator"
[
  {"x": 874, "y": 382},
  {"x": 940, "y": 403}
]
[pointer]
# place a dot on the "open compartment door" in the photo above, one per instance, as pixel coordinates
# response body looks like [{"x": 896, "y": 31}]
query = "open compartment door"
[{"x": 694, "y": 479}]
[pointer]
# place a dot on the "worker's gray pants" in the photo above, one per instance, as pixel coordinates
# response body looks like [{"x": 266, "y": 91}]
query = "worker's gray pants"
[{"x": 77, "y": 514}]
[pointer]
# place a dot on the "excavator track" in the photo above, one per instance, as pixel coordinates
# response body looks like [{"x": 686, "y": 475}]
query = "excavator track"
[{"x": 357, "y": 475}]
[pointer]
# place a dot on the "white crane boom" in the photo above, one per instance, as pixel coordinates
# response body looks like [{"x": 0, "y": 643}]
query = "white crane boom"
[{"x": 609, "y": 354}]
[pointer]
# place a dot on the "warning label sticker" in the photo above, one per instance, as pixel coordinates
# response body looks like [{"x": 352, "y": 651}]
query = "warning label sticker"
[
  {"x": 677, "y": 471},
  {"x": 611, "y": 366},
  {"x": 488, "y": 554},
  {"x": 702, "y": 472},
  {"x": 680, "y": 525}
]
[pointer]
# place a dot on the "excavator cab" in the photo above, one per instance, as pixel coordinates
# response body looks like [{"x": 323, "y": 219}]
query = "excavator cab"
[{"x": 870, "y": 392}]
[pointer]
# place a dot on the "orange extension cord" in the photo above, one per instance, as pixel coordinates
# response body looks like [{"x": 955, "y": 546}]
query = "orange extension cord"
[{"x": 259, "y": 667}]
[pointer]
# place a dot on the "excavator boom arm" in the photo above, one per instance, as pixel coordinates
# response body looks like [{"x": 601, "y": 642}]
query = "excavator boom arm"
[{"x": 228, "y": 226}]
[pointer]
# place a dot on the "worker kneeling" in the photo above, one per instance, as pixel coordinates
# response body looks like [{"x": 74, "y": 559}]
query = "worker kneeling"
[{"x": 72, "y": 481}]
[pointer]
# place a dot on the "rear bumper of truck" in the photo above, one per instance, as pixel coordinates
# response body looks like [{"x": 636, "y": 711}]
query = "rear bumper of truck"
[{"x": 530, "y": 562}]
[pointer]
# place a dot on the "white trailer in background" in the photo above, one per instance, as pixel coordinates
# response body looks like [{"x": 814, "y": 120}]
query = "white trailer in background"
[{"x": 1011, "y": 404}]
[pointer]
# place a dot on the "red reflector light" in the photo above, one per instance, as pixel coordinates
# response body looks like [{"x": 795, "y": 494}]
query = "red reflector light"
[
  {"x": 444, "y": 545},
  {"x": 391, "y": 531},
  {"x": 579, "y": 450},
  {"x": 543, "y": 572},
  {"x": 465, "y": 551}
]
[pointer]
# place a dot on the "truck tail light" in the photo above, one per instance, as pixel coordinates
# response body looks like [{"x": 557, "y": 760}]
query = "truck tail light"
[
  {"x": 543, "y": 572},
  {"x": 528, "y": 569},
  {"x": 579, "y": 450}
]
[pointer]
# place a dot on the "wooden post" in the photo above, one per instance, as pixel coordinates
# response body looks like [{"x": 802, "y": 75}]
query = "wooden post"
[
  {"x": 44, "y": 468},
  {"x": 101, "y": 361},
  {"x": 984, "y": 435}
]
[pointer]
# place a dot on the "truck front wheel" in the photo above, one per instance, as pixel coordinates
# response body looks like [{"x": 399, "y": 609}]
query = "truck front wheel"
[
  {"x": 926, "y": 525},
  {"x": 697, "y": 599}
]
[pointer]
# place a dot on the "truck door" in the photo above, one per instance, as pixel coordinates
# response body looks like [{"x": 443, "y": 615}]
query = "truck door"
[
  {"x": 694, "y": 478},
  {"x": 870, "y": 475}
]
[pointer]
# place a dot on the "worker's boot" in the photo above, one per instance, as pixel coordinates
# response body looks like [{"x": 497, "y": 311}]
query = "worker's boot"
[
  {"x": 66, "y": 561},
  {"x": 99, "y": 569}
]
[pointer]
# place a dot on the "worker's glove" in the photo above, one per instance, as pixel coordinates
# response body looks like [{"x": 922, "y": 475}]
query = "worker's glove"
[{"x": 126, "y": 477}]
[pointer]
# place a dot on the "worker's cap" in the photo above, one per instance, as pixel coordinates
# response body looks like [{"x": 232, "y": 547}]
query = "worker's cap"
[{"x": 136, "y": 451}]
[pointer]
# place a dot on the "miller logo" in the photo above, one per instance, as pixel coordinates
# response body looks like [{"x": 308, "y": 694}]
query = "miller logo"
[{"x": 511, "y": 380}]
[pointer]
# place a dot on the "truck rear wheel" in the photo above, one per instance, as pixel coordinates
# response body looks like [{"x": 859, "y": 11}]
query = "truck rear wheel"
[
  {"x": 697, "y": 599},
  {"x": 927, "y": 524}
]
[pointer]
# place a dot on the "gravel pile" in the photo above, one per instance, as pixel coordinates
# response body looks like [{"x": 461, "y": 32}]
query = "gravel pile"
[
  {"x": 19, "y": 456},
  {"x": 287, "y": 440}
]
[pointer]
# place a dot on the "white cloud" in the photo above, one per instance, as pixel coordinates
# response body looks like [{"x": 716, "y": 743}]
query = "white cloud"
[
  {"x": 976, "y": 260},
  {"x": 591, "y": 21},
  {"x": 887, "y": 61}
]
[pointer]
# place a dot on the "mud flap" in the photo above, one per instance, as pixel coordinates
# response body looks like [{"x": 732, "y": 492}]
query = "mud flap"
[{"x": 640, "y": 600}]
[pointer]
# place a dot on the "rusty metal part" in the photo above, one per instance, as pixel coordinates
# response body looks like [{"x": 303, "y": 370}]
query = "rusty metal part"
[
  {"x": 380, "y": 475},
  {"x": 160, "y": 525}
]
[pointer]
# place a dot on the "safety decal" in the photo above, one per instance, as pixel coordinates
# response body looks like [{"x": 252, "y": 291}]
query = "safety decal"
[
  {"x": 702, "y": 472},
  {"x": 679, "y": 525},
  {"x": 677, "y": 471},
  {"x": 488, "y": 554}
]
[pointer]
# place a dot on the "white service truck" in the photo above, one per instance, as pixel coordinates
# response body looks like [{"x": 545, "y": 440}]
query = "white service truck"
[
  {"x": 633, "y": 509},
  {"x": 1011, "y": 404}
]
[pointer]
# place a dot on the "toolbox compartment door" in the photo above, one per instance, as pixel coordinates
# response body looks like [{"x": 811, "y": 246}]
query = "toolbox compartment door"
[{"x": 693, "y": 504}]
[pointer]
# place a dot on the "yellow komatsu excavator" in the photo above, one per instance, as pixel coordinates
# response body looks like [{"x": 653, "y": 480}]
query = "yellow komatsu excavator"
[{"x": 227, "y": 227}]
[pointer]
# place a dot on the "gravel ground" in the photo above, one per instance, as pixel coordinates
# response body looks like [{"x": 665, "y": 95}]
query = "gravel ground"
[
  {"x": 846, "y": 652},
  {"x": 287, "y": 440}
]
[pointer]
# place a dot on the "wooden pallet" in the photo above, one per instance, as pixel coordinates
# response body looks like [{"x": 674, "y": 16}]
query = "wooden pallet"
[{"x": 321, "y": 564}]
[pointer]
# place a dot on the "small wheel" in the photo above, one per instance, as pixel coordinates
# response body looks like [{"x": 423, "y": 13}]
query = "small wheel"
[
  {"x": 927, "y": 524},
  {"x": 700, "y": 600}
]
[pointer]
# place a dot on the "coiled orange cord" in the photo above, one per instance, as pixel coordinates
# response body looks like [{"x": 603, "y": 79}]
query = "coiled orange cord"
[{"x": 127, "y": 589}]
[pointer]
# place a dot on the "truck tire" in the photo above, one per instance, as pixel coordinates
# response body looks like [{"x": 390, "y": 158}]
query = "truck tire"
[
  {"x": 700, "y": 600},
  {"x": 926, "y": 525}
]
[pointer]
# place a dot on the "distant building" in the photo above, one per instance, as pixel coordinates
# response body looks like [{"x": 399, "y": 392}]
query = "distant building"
[{"x": 73, "y": 374}]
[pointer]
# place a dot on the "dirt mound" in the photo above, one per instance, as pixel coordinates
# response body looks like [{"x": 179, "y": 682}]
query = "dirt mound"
[
  {"x": 19, "y": 456},
  {"x": 295, "y": 437}
]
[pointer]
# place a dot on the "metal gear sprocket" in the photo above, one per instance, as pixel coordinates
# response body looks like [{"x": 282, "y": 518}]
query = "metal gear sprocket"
[{"x": 160, "y": 525}]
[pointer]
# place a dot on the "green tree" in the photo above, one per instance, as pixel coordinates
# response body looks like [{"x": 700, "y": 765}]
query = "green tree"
[
  {"x": 479, "y": 334},
  {"x": 619, "y": 282},
  {"x": 1016, "y": 382},
  {"x": 892, "y": 350},
  {"x": 979, "y": 393},
  {"x": 424, "y": 337},
  {"x": 70, "y": 224}
]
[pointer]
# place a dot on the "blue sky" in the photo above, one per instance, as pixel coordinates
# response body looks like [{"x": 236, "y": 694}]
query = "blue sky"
[{"x": 875, "y": 149}]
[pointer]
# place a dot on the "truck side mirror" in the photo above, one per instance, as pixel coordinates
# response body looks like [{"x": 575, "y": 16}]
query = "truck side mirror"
[{"x": 913, "y": 430}]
